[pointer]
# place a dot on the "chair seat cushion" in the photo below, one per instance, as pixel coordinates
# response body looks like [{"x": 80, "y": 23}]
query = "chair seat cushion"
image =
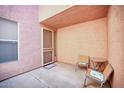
[
  {"x": 97, "y": 75},
  {"x": 82, "y": 63}
]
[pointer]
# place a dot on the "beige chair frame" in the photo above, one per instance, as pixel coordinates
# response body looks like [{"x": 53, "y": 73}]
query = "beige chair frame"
[
  {"x": 86, "y": 60},
  {"x": 106, "y": 73}
]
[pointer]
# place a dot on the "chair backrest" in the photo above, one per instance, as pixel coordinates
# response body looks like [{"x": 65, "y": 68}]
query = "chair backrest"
[
  {"x": 107, "y": 71},
  {"x": 83, "y": 58}
]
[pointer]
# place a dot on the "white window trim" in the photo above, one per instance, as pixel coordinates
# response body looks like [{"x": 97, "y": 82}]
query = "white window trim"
[{"x": 17, "y": 41}]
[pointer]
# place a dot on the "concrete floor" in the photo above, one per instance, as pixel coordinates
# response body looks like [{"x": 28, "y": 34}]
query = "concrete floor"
[{"x": 60, "y": 76}]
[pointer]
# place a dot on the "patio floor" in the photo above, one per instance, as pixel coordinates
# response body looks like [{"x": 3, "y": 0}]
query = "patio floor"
[{"x": 61, "y": 76}]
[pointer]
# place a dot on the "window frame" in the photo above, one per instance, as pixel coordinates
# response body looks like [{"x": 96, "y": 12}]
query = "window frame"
[{"x": 10, "y": 40}]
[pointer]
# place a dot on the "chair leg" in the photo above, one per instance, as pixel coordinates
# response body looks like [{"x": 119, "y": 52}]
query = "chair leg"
[
  {"x": 101, "y": 85},
  {"x": 85, "y": 82},
  {"x": 76, "y": 67}
]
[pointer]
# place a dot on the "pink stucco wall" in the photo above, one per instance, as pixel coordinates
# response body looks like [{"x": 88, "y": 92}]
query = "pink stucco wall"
[
  {"x": 88, "y": 38},
  {"x": 116, "y": 44},
  {"x": 29, "y": 39}
]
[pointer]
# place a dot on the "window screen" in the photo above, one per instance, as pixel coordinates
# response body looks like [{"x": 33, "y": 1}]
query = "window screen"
[
  {"x": 47, "y": 37},
  {"x": 47, "y": 57},
  {"x": 8, "y": 40}
]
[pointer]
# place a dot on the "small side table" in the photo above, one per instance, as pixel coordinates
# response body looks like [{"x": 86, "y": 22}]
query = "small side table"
[{"x": 97, "y": 62}]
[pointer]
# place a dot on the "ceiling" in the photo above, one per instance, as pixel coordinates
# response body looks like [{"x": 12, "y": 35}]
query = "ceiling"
[{"x": 76, "y": 14}]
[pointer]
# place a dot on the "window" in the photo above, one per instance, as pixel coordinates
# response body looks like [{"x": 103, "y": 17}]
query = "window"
[{"x": 8, "y": 40}]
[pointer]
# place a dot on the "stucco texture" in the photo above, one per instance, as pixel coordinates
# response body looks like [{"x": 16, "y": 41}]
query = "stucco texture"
[
  {"x": 29, "y": 39},
  {"x": 89, "y": 38},
  {"x": 116, "y": 44}
]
